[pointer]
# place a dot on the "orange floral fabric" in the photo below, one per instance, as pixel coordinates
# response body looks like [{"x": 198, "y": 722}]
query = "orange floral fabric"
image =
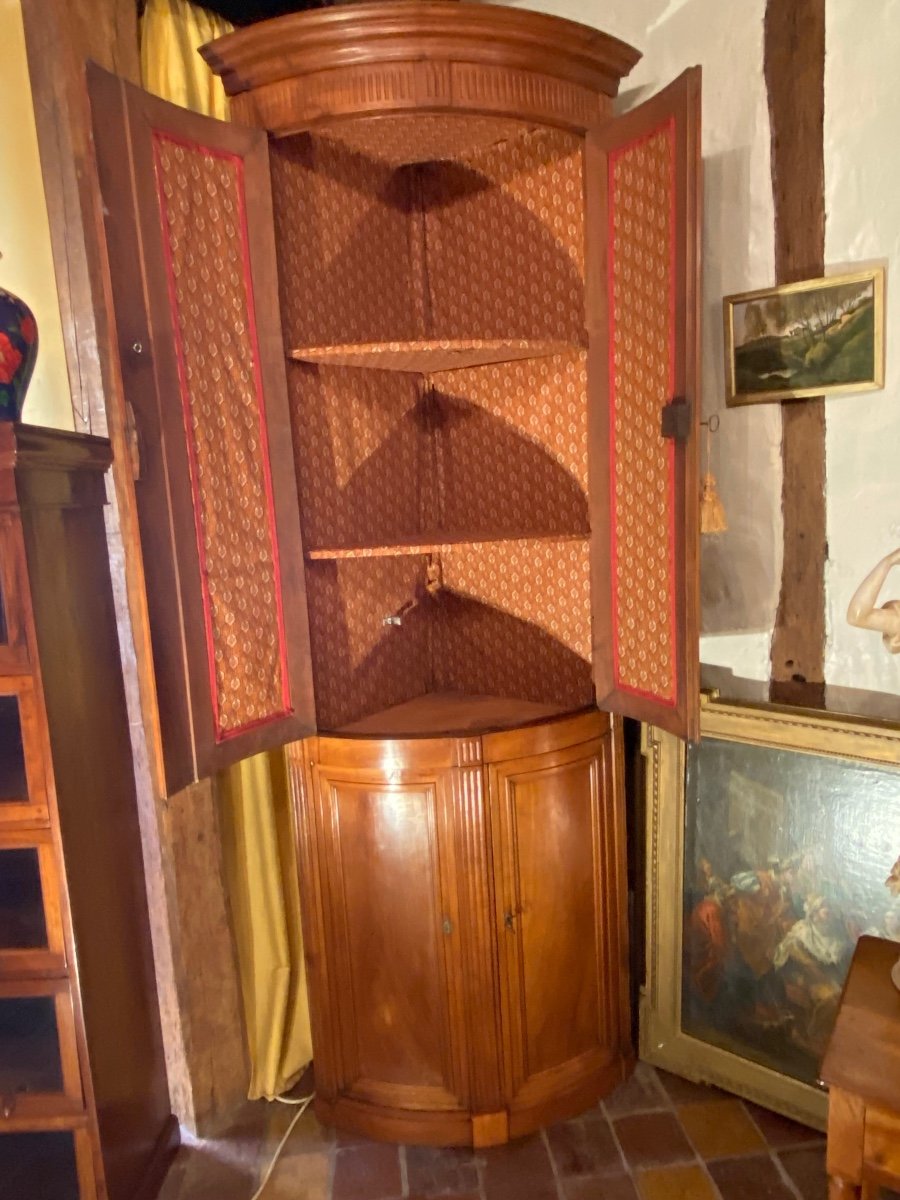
[
  {"x": 396, "y": 139},
  {"x": 641, "y": 317},
  {"x": 438, "y": 252},
  {"x": 204, "y": 233}
]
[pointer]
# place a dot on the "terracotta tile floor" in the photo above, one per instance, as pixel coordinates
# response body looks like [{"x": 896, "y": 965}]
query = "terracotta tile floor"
[{"x": 656, "y": 1138}]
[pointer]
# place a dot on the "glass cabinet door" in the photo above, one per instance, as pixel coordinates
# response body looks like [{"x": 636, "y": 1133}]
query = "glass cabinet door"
[
  {"x": 23, "y": 793},
  {"x": 39, "y": 1074},
  {"x": 54, "y": 1165},
  {"x": 31, "y": 935}
]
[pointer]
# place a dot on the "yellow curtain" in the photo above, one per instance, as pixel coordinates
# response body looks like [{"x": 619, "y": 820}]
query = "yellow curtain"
[
  {"x": 171, "y": 31},
  {"x": 258, "y": 842},
  {"x": 261, "y": 868}
]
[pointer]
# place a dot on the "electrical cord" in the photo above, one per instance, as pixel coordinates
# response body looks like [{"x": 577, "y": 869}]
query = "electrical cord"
[{"x": 302, "y": 1105}]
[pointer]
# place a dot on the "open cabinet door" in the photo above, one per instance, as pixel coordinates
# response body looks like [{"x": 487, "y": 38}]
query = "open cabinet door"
[
  {"x": 644, "y": 212},
  {"x": 189, "y": 230}
]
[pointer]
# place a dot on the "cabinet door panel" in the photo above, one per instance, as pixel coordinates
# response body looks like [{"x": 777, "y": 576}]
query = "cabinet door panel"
[
  {"x": 644, "y": 211},
  {"x": 392, "y": 923},
  {"x": 13, "y": 647},
  {"x": 192, "y": 265},
  {"x": 554, "y": 818},
  {"x": 23, "y": 783},
  {"x": 31, "y": 927},
  {"x": 39, "y": 1071}
]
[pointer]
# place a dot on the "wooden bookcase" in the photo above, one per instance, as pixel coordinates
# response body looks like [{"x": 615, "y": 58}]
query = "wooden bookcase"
[
  {"x": 83, "y": 1096},
  {"x": 414, "y": 371}
]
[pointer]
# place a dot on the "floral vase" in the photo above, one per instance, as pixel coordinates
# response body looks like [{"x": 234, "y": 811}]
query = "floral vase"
[{"x": 18, "y": 351}]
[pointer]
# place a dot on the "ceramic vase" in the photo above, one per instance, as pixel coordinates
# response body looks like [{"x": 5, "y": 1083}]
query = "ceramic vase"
[{"x": 18, "y": 351}]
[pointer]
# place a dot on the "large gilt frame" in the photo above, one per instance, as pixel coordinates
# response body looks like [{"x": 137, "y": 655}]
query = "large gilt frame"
[{"x": 662, "y": 1041}]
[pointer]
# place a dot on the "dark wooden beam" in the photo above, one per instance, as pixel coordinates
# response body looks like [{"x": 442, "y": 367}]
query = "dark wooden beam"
[{"x": 795, "y": 81}]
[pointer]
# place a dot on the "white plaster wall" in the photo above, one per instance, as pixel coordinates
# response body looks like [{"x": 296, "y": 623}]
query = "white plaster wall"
[
  {"x": 26, "y": 267},
  {"x": 862, "y": 193},
  {"x": 741, "y": 567}
]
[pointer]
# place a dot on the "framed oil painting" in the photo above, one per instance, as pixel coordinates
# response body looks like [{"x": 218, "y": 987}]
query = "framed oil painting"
[
  {"x": 768, "y": 845},
  {"x": 805, "y": 339}
]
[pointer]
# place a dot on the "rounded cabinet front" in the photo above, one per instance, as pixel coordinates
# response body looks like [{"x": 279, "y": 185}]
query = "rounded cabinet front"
[{"x": 463, "y": 920}]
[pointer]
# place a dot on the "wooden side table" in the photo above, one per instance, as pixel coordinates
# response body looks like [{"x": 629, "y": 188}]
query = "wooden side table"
[{"x": 862, "y": 1070}]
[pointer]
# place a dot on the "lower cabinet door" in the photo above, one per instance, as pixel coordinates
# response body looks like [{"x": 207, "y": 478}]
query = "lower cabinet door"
[
  {"x": 558, "y": 850},
  {"x": 390, "y": 927}
]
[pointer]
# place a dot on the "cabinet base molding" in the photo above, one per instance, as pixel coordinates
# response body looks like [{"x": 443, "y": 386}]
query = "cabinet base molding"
[
  {"x": 479, "y": 1130},
  {"x": 490, "y": 1129},
  {"x": 572, "y": 1102},
  {"x": 396, "y": 1125}
]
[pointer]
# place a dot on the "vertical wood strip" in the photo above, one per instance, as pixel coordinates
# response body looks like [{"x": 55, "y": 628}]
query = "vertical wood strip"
[{"x": 794, "y": 63}]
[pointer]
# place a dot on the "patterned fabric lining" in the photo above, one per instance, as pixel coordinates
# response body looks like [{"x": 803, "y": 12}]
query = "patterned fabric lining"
[
  {"x": 361, "y": 455},
  {"x": 530, "y": 414},
  {"x": 205, "y": 239},
  {"x": 345, "y": 246},
  {"x": 361, "y": 665},
  {"x": 547, "y": 583},
  {"x": 421, "y": 137},
  {"x": 492, "y": 245},
  {"x": 641, "y": 315},
  {"x": 506, "y": 240}
]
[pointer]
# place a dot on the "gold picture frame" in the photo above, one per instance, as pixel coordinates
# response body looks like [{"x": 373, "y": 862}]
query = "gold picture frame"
[
  {"x": 811, "y": 338},
  {"x": 787, "y": 740}
]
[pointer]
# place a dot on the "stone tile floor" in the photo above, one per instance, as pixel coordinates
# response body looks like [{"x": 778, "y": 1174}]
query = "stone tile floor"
[{"x": 657, "y": 1137}]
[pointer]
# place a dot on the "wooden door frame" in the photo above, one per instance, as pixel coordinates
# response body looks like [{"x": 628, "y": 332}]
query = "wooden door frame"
[{"x": 205, "y": 1053}]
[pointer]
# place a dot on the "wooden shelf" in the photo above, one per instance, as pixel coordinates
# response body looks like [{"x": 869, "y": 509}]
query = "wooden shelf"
[
  {"x": 427, "y": 357},
  {"x": 432, "y": 543},
  {"x": 441, "y": 714}
]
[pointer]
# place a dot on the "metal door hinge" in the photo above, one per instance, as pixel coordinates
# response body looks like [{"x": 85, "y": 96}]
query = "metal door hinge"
[
  {"x": 676, "y": 421},
  {"x": 132, "y": 441}
]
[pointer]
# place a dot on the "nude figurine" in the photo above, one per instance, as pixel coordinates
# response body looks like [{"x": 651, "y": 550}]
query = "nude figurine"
[{"x": 863, "y": 611}]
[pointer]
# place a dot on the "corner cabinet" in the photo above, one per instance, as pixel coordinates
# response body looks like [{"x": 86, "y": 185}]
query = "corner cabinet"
[{"x": 410, "y": 354}]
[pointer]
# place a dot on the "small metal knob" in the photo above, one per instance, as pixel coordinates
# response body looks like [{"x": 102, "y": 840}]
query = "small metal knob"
[{"x": 137, "y": 347}]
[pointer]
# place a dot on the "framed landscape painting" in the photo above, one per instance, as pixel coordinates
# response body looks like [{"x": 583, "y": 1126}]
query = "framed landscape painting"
[
  {"x": 775, "y": 833},
  {"x": 805, "y": 339}
]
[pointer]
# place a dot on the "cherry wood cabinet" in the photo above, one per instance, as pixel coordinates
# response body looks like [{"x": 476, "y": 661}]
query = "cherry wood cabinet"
[
  {"x": 84, "y": 1106},
  {"x": 464, "y": 930},
  {"x": 413, "y": 377},
  {"x": 388, "y": 863}
]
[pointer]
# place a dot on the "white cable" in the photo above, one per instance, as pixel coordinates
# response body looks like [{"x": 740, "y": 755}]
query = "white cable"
[{"x": 303, "y": 1105}]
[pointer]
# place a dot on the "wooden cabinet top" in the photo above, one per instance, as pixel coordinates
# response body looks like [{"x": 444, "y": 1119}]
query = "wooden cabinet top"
[
  {"x": 51, "y": 466},
  {"x": 302, "y": 70}
]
